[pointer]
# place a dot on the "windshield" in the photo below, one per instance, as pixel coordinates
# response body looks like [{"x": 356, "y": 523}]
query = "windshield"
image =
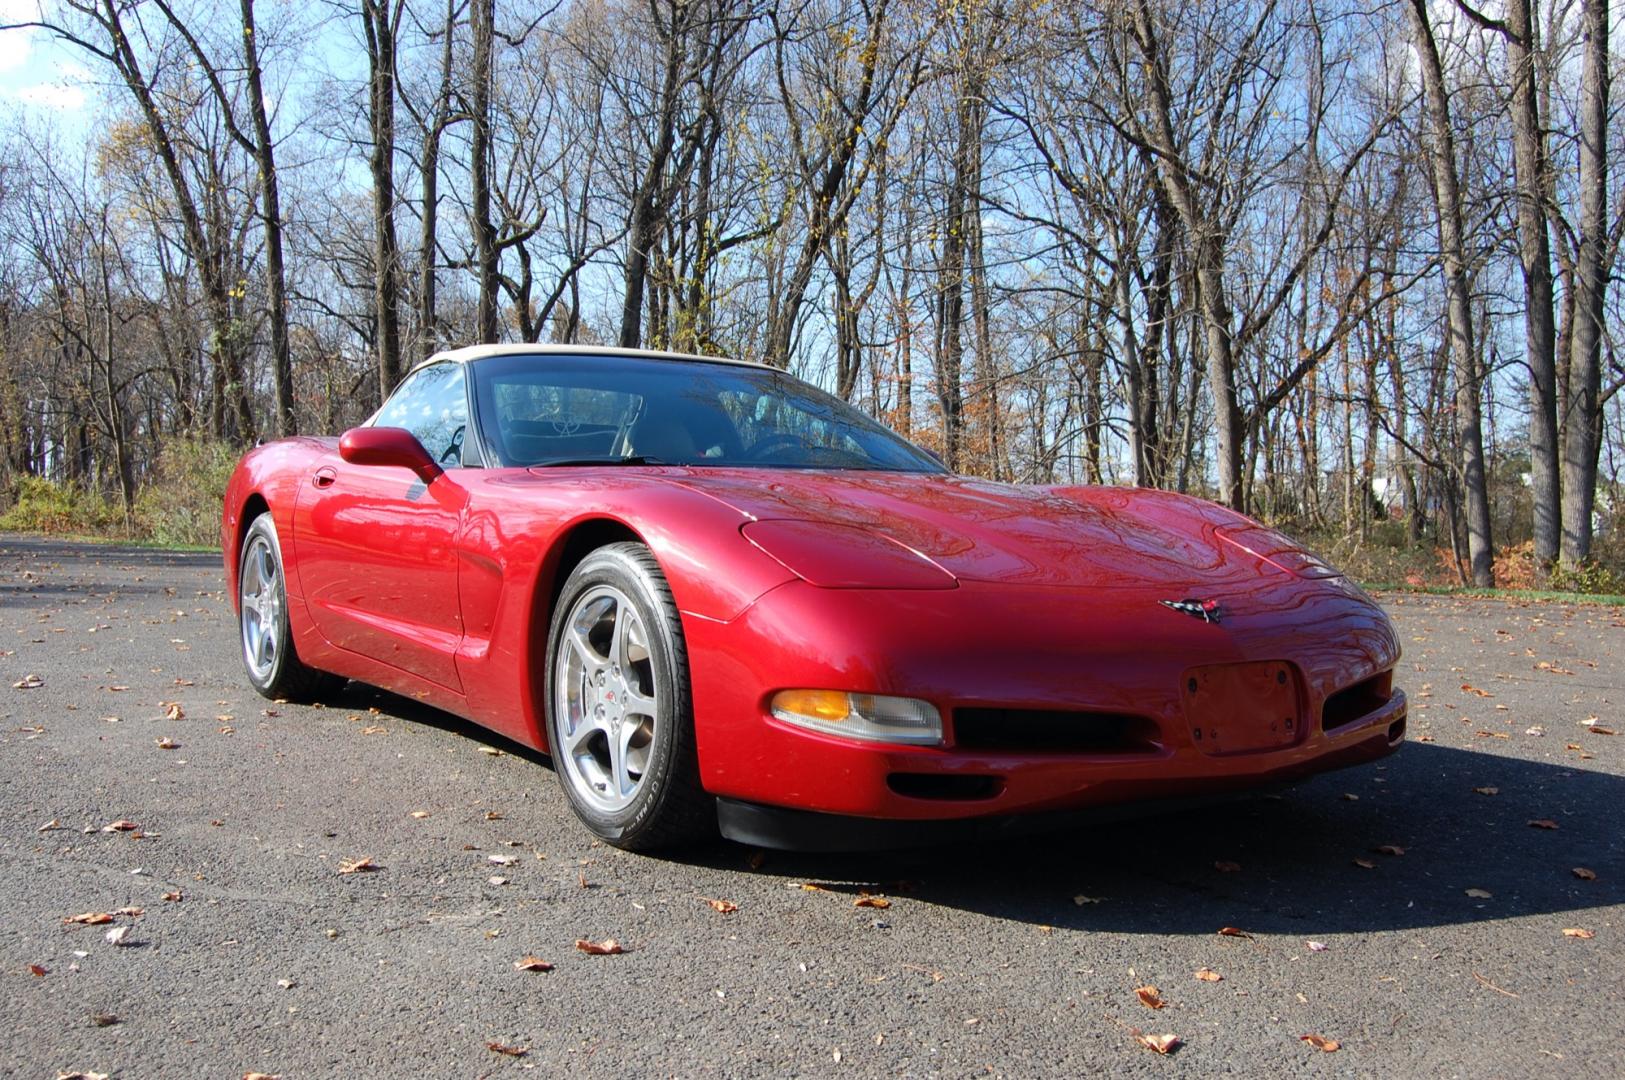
[{"x": 549, "y": 409}]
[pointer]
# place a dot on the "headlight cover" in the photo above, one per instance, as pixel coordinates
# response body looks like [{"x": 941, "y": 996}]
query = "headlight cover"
[{"x": 863, "y": 717}]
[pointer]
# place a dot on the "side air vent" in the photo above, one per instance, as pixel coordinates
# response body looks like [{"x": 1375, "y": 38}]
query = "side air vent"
[{"x": 1353, "y": 703}]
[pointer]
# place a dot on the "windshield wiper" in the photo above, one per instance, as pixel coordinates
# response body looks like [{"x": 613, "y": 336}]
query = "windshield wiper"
[{"x": 630, "y": 459}]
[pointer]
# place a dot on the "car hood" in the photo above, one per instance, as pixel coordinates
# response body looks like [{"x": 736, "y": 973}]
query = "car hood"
[{"x": 977, "y": 530}]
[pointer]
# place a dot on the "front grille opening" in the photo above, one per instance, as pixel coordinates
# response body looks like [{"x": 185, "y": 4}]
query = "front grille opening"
[
  {"x": 1051, "y": 731},
  {"x": 943, "y": 785},
  {"x": 1353, "y": 703}
]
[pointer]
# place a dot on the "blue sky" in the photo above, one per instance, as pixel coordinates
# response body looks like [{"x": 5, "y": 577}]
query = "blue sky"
[{"x": 39, "y": 75}]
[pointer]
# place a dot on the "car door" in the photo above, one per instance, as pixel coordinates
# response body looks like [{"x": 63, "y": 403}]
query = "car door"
[{"x": 377, "y": 546}]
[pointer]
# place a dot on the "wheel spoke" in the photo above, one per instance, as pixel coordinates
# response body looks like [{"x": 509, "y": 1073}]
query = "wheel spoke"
[
  {"x": 262, "y": 646},
  {"x": 617, "y": 641},
  {"x": 619, "y": 753},
  {"x": 577, "y": 639},
  {"x": 638, "y": 703}
]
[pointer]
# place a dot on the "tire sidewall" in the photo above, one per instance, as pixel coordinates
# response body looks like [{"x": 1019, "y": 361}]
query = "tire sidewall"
[{"x": 612, "y": 566}]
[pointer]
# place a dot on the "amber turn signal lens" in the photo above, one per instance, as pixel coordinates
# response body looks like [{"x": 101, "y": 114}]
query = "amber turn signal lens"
[{"x": 865, "y": 717}]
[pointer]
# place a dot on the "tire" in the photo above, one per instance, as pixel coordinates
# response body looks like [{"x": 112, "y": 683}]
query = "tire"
[
  {"x": 620, "y": 719},
  {"x": 269, "y": 658}
]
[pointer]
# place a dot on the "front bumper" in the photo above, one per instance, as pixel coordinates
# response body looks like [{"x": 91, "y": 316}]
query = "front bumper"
[{"x": 1035, "y": 649}]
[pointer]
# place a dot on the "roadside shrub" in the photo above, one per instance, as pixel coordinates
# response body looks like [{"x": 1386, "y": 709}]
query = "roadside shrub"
[
  {"x": 180, "y": 504},
  {"x": 1592, "y": 578},
  {"x": 62, "y": 509}
]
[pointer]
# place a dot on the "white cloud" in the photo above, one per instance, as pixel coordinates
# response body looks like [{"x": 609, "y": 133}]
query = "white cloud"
[{"x": 16, "y": 46}]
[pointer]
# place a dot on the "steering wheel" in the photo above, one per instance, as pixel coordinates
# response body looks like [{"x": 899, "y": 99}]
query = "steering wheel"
[{"x": 767, "y": 443}]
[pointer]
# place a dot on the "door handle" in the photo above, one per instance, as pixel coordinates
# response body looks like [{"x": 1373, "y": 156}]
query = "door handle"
[{"x": 324, "y": 476}]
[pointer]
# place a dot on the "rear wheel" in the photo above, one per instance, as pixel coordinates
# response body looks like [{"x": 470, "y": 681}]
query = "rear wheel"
[
  {"x": 620, "y": 719},
  {"x": 273, "y": 667}
]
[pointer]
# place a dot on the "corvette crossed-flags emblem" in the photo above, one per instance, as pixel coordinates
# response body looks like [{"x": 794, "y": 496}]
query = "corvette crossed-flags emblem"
[{"x": 1206, "y": 610}]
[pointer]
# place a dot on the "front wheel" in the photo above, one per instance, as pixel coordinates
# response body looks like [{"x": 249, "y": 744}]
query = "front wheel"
[
  {"x": 620, "y": 719},
  {"x": 262, "y": 617}
]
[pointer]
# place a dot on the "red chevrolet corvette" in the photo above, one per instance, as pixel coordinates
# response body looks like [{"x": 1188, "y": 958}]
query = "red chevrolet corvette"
[{"x": 719, "y": 597}]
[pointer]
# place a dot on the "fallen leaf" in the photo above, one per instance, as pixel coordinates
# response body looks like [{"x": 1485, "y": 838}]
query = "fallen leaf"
[
  {"x": 1577, "y": 932},
  {"x": 1316, "y": 946},
  {"x": 1466, "y": 689},
  {"x": 1488, "y": 790},
  {"x": 1545, "y": 665},
  {"x": 420, "y": 814},
  {"x": 872, "y": 901},
  {"x": 1585, "y": 875},
  {"x": 1389, "y": 849},
  {"x": 28, "y": 682},
  {"x": 1321, "y": 1042},
  {"x": 493, "y": 751},
  {"x": 1543, "y": 823},
  {"x": 39, "y": 971},
  {"x": 363, "y": 865},
  {"x": 1350, "y": 797},
  {"x": 1231, "y": 931},
  {"x": 173, "y": 897},
  {"x": 1081, "y": 900},
  {"x": 173, "y": 711},
  {"x": 532, "y": 963},
  {"x": 1480, "y": 894},
  {"x": 117, "y": 935},
  {"x": 510, "y": 1051},
  {"x": 131, "y": 912},
  {"x": 724, "y": 907},
  {"x": 50, "y": 826},
  {"x": 81, "y": 1076},
  {"x": 1162, "y": 1044},
  {"x": 166, "y": 743},
  {"x": 1209, "y": 975},
  {"x": 375, "y": 730},
  {"x": 90, "y": 918},
  {"x": 1224, "y": 867},
  {"x": 809, "y": 886},
  {"x": 1536, "y": 730},
  {"x": 494, "y": 880},
  {"x": 1602, "y": 731},
  {"x": 103, "y": 1019},
  {"x": 120, "y": 826},
  {"x": 1150, "y": 997},
  {"x": 607, "y": 947},
  {"x": 1492, "y": 735},
  {"x": 492, "y": 815},
  {"x": 1366, "y": 863},
  {"x": 502, "y": 860}
]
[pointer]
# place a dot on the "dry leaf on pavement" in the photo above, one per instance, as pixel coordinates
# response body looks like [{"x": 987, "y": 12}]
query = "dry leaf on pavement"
[
  {"x": 1585, "y": 875},
  {"x": 90, "y": 918},
  {"x": 1543, "y": 823},
  {"x": 724, "y": 907},
  {"x": 1150, "y": 997},
  {"x": 117, "y": 935},
  {"x": 1488, "y": 790},
  {"x": 166, "y": 743},
  {"x": 1577, "y": 932},
  {"x": 872, "y": 901},
  {"x": 28, "y": 682},
  {"x": 532, "y": 963},
  {"x": 358, "y": 866},
  {"x": 1321, "y": 1042},
  {"x": 510, "y": 1051},
  {"x": 120, "y": 826},
  {"x": 1389, "y": 849},
  {"x": 1231, "y": 931},
  {"x": 1209, "y": 975},
  {"x": 607, "y": 947},
  {"x": 1162, "y": 1044},
  {"x": 1480, "y": 894}
]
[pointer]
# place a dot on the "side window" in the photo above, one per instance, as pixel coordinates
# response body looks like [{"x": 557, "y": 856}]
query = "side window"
[{"x": 432, "y": 405}]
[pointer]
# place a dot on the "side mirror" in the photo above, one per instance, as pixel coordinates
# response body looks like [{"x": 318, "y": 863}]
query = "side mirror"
[{"x": 388, "y": 446}]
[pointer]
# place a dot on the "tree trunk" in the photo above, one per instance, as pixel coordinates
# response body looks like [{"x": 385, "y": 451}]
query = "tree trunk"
[
  {"x": 482, "y": 16},
  {"x": 1459, "y": 319},
  {"x": 1581, "y": 411},
  {"x": 1535, "y": 255},
  {"x": 276, "y": 294}
]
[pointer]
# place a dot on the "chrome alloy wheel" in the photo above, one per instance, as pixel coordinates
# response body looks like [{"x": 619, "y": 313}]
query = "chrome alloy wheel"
[
  {"x": 261, "y": 595},
  {"x": 605, "y": 698}
]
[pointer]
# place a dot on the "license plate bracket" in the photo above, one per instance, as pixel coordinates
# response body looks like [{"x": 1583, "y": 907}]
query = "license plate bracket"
[{"x": 1243, "y": 708}]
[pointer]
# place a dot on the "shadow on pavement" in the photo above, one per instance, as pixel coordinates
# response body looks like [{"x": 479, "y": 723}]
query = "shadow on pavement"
[{"x": 1297, "y": 851}]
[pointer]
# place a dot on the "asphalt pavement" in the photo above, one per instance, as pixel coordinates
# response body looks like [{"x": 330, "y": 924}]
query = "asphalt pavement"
[{"x": 1455, "y": 911}]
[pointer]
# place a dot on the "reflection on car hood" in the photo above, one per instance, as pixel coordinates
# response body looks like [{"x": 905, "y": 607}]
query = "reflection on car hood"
[{"x": 1095, "y": 537}]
